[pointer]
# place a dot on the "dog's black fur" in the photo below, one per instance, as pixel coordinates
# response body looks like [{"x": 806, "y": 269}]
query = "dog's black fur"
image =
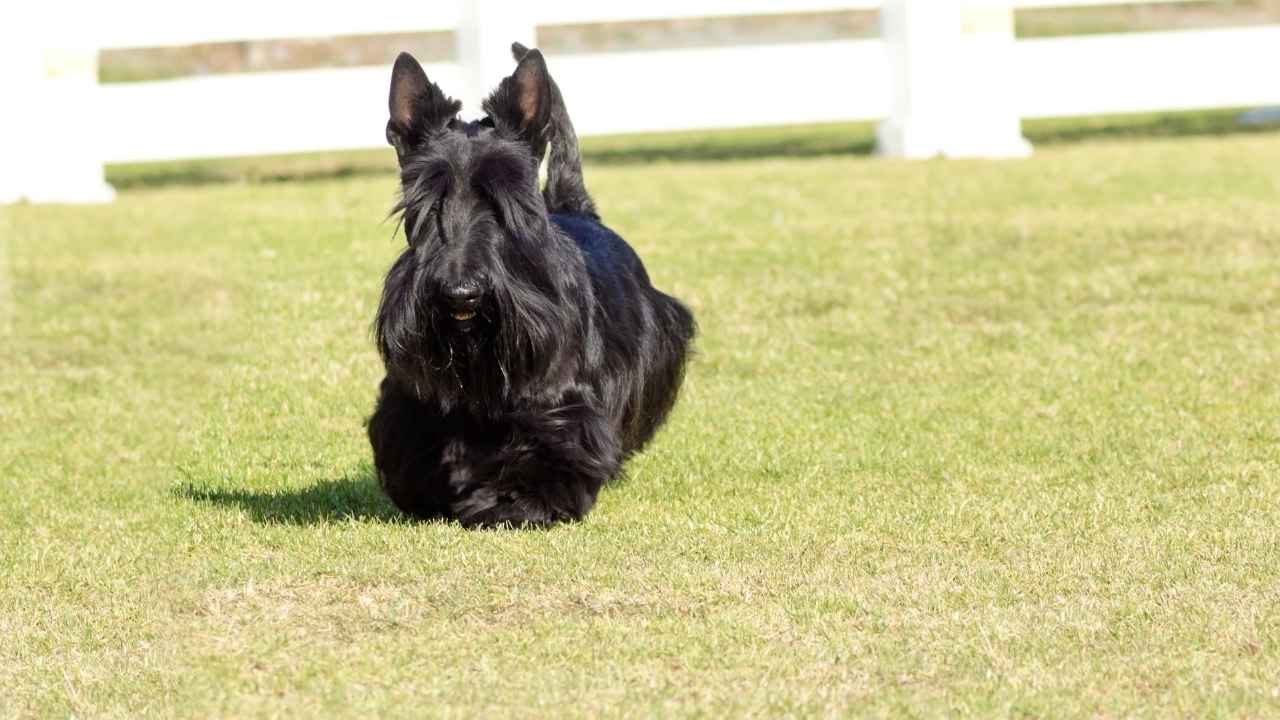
[{"x": 527, "y": 353}]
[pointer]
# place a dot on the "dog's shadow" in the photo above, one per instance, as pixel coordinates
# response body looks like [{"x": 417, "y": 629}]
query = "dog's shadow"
[{"x": 354, "y": 497}]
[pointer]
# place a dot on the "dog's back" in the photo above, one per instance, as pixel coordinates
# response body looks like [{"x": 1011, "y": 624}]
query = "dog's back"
[
  {"x": 641, "y": 327},
  {"x": 646, "y": 333}
]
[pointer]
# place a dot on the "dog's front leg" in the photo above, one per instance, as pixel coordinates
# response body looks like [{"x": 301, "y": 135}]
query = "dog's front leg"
[
  {"x": 550, "y": 467},
  {"x": 413, "y": 449}
]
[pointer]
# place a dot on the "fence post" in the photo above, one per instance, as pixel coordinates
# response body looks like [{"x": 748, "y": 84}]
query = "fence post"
[
  {"x": 484, "y": 36},
  {"x": 48, "y": 136},
  {"x": 949, "y": 65}
]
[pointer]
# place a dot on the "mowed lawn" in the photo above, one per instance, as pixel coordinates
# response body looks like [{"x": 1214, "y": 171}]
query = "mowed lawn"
[{"x": 961, "y": 438}]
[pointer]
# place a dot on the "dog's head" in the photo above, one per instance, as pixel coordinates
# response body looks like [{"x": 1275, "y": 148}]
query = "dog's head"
[{"x": 475, "y": 305}]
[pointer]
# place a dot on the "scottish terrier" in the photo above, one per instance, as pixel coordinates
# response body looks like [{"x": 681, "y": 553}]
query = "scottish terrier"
[{"x": 527, "y": 354}]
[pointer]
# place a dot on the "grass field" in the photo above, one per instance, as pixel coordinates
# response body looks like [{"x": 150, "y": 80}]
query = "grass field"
[{"x": 962, "y": 438}]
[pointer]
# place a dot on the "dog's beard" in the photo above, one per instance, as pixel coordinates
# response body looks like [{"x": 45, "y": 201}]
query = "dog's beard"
[
  {"x": 480, "y": 364},
  {"x": 451, "y": 363},
  {"x": 469, "y": 361}
]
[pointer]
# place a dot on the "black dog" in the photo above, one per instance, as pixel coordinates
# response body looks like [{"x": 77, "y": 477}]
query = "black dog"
[{"x": 527, "y": 353}]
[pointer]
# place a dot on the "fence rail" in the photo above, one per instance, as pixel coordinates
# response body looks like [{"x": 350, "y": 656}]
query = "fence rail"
[
  {"x": 1177, "y": 70},
  {"x": 946, "y": 77}
]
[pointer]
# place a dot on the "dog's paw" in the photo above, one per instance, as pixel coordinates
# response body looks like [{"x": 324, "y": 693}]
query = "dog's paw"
[{"x": 509, "y": 509}]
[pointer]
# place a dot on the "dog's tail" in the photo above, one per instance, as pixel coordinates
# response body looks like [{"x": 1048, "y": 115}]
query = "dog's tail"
[{"x": 566, "y": 190}]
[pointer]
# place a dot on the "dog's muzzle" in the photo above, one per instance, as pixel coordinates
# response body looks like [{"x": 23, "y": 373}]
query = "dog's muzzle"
[{"x": 462, "y": 299}]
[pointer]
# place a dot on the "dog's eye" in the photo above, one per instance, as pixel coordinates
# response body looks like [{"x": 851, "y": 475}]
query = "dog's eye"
[
  {"x": 432, "y": 179},
  {"x": 426, "y": 185},
  {"x": 416, "y": 221}
]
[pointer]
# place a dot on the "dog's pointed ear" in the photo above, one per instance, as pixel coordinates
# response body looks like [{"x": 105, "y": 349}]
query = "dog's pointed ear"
[
  {"x": 417, "y": 105},
  {"x": 522, "y": 102}
]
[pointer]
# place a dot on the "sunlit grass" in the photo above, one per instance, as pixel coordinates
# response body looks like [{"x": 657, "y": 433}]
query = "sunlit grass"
[
  {"x": 962, "y": 438},
  {"x": 797, "y": 141}
]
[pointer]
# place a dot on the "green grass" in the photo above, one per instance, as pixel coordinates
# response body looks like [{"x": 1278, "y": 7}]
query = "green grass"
[
  {"x": 962, "y": 438},
  {"x": 851, "y": 138}
]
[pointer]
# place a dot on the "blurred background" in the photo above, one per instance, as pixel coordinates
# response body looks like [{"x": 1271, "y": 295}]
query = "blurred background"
[{"x": 178, "y": 81}]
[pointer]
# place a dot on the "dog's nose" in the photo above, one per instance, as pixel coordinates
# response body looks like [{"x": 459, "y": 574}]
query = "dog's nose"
[{"x": 461, "y": 296}]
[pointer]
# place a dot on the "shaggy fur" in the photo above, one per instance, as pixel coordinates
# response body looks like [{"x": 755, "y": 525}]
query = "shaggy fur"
[{"x": 526, "y": 352}]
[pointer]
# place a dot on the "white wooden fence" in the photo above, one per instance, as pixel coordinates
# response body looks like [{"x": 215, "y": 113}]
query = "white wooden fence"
[{"x": 946, "y": 77}]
